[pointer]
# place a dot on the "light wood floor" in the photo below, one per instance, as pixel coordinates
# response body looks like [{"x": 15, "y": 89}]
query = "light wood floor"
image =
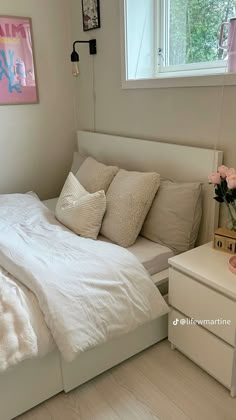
[{"x": 156, "y": 384}]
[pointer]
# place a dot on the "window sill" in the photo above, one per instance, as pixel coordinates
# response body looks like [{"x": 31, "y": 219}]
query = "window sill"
[{"x": 170, "y": 80}]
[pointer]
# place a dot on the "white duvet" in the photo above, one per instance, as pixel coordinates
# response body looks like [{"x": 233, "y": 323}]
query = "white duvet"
[
  {"x": 23, "y": 331},
  {"x": 89, "y": 291}
]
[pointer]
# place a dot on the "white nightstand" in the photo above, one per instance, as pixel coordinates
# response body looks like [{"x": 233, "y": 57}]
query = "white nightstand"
[{"x": 201, "y": 287}]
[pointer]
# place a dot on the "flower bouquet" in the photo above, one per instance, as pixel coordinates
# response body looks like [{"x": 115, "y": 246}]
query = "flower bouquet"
[{"x": 224, "y": 182}]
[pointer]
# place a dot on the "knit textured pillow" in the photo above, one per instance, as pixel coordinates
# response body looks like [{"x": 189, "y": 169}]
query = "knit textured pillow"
[
  {"x": 80, "y": 211},
  {"x": 129, "y": 199},
  {"x": 95, "y": 176}
]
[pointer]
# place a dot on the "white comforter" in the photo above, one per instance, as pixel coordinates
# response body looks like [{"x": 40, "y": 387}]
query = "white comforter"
[
  {"x": 23, "y": 331},
  {"x": 88, "y": 291}
]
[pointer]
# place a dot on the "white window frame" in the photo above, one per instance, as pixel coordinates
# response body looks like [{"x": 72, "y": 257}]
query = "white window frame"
[{"x": 198, "y": 74}]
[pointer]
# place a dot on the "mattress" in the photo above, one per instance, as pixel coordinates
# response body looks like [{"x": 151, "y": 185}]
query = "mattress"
[{"x": 153, "y": 256}]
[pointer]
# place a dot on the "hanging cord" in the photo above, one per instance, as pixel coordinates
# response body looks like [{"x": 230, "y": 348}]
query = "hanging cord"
[
  {"x": 75, "y": 105},
  {"x": 94, "y": 97},
  {"x": 68, "y": 12},
  {"x": 220, "y": 111}
]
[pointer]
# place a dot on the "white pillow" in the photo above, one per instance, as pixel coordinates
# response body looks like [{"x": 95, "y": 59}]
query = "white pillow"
[
  {"x": 129, "y": 198},
  {"x": 95, "y": 176},
  {"x": 80, "y": 211}
]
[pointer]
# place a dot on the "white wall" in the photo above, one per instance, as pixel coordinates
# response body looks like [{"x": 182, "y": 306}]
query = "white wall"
[
  {"x": 200, "y": 116},
  {"x": 36, "y": 141},
  {"x": 179, "y": 115}
]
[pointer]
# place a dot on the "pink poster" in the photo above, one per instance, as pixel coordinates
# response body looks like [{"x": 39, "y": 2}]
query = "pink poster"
[{"x": 17, "y": 66}]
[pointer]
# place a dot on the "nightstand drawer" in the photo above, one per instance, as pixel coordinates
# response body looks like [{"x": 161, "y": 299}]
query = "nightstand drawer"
[
  {"x": 205, "y": 349},
  {"x": 202, "y": 303}
]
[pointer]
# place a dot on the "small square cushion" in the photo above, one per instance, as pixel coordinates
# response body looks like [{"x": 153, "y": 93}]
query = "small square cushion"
[
  {"x": 95, "y": 176},
  {"x": 175, "y": 216},
  {"x": 79, "y": 210},
  {"x": 129, "y": 198}
]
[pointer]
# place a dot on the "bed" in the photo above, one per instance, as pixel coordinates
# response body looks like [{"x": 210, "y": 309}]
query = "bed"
[
  {"x": 152, "y": 255},
  {"x": 49, "y": 375}
]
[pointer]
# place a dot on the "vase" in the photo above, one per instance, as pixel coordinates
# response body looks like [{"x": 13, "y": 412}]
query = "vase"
[{"x": 231, "y": 224}]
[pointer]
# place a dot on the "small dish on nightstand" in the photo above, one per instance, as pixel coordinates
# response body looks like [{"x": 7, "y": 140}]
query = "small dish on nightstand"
[{"x": 232, "y": 264}]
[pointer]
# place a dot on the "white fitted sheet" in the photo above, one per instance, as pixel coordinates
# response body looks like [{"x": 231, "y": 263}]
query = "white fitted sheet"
[{"x": 153, "y": 256}]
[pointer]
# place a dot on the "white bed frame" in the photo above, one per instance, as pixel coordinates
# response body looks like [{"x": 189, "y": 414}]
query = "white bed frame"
[{"x": 36, "y": 380}]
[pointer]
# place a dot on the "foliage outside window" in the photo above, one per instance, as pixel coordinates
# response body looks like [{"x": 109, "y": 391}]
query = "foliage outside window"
[{"x": 194, "y": 29}]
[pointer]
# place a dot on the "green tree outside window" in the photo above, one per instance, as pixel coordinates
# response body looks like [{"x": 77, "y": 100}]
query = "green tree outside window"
[{"x": 194, "y": 29}]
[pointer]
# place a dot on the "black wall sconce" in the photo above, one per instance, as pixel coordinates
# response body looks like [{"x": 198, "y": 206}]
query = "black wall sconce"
[{"x": 75, "y": 56}]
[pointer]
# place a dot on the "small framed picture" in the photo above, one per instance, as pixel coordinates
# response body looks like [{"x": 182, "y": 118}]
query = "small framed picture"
[
  {"x": 18, "y": 83},
  {"x": 91, "y": 14}
]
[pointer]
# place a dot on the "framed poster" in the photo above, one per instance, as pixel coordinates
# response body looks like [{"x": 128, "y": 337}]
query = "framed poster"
[
  {"x": 91, "y": 14},
  {"x": 17, "y": 65}
]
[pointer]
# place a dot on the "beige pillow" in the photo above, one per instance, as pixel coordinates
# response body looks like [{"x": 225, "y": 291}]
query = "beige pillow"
[
  {"x": 80, "y": 211},
  {"x": 129, "y": 198},
  {"x": 175, "y": 216},
  {"x": 94, "y": 176}
]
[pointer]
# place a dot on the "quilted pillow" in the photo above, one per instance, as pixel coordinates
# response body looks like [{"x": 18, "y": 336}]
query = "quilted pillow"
[
  {"x": 94, "y": 176},
  {"x": 80, "y": 211},
  {"x": 129, "y": 198},
  {"x": 175, "y": 215}
]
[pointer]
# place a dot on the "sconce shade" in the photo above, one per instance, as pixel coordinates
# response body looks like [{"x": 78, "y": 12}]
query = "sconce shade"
[{"x": 74, "y": 57}]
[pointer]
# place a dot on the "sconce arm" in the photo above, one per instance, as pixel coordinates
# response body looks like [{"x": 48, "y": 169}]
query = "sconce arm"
[{"x": 92, "y": 45}]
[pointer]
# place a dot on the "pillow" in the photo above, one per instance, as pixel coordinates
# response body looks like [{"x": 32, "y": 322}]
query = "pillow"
[
  {"x": 78, "y": 159},
  {"x": 94, "y": 176},
  {"x": 129, "y": 198},
  {"x": 80, "y": 211},
  {"x": 175, "y": 216}
]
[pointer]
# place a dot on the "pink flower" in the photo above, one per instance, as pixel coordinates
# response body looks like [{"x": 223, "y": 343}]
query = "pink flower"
[
  {"x": 215, "y": 178},
  {"x": 223, "y": 170},
  {"x": 231, "y": 181},
  {"x": 230, "y": 172}
]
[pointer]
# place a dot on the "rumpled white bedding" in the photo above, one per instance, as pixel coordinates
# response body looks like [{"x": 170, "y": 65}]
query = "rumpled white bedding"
[
  {"x": 86, "y": 298},
  {"x": 23, "y": 331}
]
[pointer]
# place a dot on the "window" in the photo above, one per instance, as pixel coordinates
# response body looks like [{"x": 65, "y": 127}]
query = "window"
[{"x": 170, "y": 38}]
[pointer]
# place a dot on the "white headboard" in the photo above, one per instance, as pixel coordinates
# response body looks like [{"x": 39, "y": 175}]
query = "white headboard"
[{"x": 178, "y": 163}]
